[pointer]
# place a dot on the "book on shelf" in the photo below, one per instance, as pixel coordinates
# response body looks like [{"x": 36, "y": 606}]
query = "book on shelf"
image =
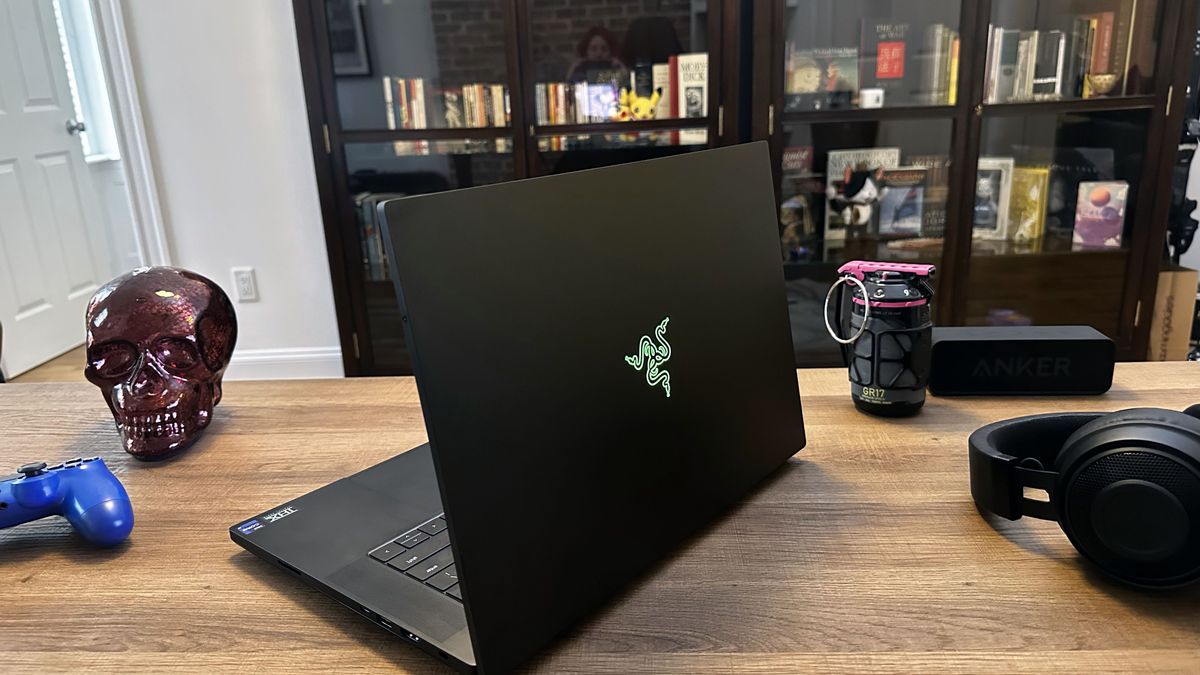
[
  {"x": 820, "y": 79},
  {"x": 374, "y": 255},
  {"x": 389, "y": 106},
  {"x": 901, "y": 208},
  {"x": 660, "y": 80},
  {"x": 1122, "y": 34},
  {"x": 955, "y": 51},
  {"x": 673, "y": 79},
  {"x": 1070, "y": 167},
  {"x": 993, "y": 192},
  {"x": 692, "y": 94},
  {"x": 1099, "y": 215},
  {"x": 798, "y": 159},
  {"x": 838, "y": 161},
  {"x": 885, "y": 61},
  {"x": 937, "y": 192},
  {"x": 641, "y": 78},
  {"x": 1003, "y": 65},
  {"x": 1030, "y": 199},
  {"x": 500, "y": 111},
  {"x": 939, "y": 75},
  {"x": 1049, "y": 69}
]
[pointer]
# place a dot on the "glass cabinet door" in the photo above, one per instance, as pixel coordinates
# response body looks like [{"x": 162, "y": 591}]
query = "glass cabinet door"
[
  {"x": 382, "y": 171},
  {"x": 1054, "y": 215},
  {"x": 419, "y": 64},
  {"x": 614, "y": 82},
  {"x": 1068, "y": 102},
  {"x": 862, "y": 136},
  {"x": 857, "y": 190},
  {"x": 865, "y": 54},
  {"x": 422, "y": 103}
]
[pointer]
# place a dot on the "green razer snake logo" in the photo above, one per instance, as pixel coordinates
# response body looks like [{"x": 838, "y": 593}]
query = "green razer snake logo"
[{"x": 651, "y": 357}]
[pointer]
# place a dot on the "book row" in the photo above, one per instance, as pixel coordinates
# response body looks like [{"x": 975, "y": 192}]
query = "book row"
[
  {"x": 901, "y": 64},
  {"x": 681, "y": 84},
  {"x": 412, "y": 104},
  {"x": 871, "y": 192},
  {"x": 1088, "y": 57}
]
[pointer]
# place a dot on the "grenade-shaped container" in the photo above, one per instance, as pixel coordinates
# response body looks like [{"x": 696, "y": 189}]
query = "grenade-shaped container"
[{"x": 885, "y": 309}]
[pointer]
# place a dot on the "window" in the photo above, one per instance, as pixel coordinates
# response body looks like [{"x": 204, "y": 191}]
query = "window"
[{"x": 85, "y": 73}]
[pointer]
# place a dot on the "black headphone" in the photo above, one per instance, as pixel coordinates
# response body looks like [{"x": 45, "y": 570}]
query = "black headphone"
[{"x": 1124, "y": 487}]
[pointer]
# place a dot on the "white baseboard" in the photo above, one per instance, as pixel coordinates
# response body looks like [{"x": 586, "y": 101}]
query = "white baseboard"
[{"x": 285, "y": 364}]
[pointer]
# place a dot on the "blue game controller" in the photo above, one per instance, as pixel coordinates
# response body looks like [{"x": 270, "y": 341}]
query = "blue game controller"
[{"x": 83, "y": 491}]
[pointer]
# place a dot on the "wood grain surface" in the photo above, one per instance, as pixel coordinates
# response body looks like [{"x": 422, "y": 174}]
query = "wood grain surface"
[{"x": 864, "y": 553}]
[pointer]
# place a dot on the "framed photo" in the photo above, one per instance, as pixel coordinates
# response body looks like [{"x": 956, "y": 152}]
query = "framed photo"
[
  {"x": 347, "y": 38},
  {"x": 993, "y": 194}
]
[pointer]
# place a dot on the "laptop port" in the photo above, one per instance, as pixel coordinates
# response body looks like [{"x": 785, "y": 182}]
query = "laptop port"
[{"x": 412, "y": 637}]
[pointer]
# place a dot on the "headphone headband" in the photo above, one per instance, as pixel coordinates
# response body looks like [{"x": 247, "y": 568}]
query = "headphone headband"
[
  {"x": 1123, "y": 486},
  {"x": 1030, "y": 445}
]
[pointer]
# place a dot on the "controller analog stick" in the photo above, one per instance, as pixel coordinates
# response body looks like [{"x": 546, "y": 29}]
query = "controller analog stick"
[{"x": 32, "y": 469}]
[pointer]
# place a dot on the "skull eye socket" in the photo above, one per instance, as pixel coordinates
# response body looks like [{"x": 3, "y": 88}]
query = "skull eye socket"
[
  {"x": 176, "y": 355},
  {"x": 112, "y": 360}
]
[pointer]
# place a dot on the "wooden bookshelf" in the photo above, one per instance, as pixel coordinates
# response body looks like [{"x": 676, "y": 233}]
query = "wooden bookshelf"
[
  {"x": 1082, "y": 106},
  {"x": 1111, "y": 289},
  {"x": 618, "y": 127},
  {"x": 868, "y": 114},
  {"x": 347, "y": 46}
]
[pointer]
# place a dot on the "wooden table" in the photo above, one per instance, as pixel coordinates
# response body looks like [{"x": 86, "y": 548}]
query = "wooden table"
[{"x": 864, "y": 553}]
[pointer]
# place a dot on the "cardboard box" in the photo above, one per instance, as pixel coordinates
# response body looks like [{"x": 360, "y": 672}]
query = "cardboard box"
[{"x": 1174, "y": 307}]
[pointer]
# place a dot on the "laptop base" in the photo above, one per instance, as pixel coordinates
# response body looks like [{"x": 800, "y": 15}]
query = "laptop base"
[{"x": 325, "y": 537}]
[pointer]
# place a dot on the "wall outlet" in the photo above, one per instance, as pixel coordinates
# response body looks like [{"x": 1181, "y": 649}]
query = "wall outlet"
[{"x": 245, "y": 286}]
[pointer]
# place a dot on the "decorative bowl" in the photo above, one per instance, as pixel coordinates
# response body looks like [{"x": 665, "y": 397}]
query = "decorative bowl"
[{"x": 1102, "y": 84}]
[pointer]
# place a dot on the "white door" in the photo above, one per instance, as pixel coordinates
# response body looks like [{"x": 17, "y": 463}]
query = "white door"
[{"x": 53, "y": 250}]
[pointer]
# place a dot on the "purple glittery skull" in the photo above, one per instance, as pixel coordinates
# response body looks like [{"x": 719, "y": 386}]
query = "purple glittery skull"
[{"x": 158, "y": 342}]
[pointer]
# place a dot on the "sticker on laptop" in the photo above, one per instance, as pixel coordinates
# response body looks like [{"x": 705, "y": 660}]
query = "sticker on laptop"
[
  {"x": 249, "y": 526},
  {"x": 650, "y": 356}
]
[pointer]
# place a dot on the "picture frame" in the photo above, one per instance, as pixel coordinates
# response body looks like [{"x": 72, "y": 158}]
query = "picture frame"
[
  {"x": 348, "y": 38},
  {"x": 993, "y": 196}
]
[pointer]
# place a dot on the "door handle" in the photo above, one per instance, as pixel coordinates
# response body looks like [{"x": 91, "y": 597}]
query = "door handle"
[{"x": 74, "y": 127}]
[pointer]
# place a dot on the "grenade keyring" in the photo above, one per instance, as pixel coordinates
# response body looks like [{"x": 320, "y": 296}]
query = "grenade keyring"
[{"x": 888, "y": 354}]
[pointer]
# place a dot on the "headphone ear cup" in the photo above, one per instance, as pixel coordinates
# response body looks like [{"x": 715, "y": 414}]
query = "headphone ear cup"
[{"x": 1128, "y": 495}]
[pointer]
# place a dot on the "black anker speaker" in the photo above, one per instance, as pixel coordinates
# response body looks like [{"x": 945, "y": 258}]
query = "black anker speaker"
[{"x": 1020, "y": 360}]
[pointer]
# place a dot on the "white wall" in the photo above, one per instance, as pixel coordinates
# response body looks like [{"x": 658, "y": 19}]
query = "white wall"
[{"x": 223, "y": 102}]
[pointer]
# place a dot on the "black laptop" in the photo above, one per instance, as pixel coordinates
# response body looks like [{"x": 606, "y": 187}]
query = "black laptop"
[{"x": 604, "y": 365}]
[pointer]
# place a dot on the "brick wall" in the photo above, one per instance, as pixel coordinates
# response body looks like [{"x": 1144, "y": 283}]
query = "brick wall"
[
  {"x": 558, "y": 25},
  {"x": 469, "y": 34}
]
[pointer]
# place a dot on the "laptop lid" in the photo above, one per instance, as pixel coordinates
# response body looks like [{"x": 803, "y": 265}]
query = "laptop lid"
[{"x": 604, "y": 364}]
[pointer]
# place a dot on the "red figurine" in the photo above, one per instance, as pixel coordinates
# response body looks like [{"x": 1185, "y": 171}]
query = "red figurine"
[{"x": 158, "y": 342}]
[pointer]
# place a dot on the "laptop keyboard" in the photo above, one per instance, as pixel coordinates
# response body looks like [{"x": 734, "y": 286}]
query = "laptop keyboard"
[{"x": 423, "y": 554}]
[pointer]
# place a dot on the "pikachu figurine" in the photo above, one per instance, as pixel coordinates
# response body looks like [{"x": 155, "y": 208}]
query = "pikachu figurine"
[{"x": 630, "y": 106}]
